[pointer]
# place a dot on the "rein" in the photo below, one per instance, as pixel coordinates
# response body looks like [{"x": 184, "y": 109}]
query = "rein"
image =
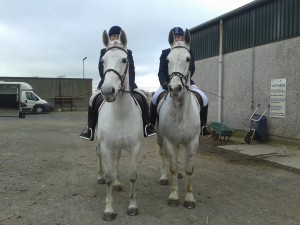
[{"x": 121, "y": 77}]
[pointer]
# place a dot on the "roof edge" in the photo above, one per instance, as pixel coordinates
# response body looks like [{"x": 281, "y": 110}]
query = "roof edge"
[{"x": 229, "y": 14}]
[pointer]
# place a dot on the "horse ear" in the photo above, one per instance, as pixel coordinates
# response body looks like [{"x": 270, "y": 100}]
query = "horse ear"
[
  {"x": 105, "y": 38},
  {"x": 123, "y": 38},
  {"x": 187, "y": 36},
  {"x": 171, "y": 37}
]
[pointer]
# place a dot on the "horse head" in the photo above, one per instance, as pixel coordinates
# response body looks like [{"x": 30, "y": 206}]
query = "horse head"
[
  {"x": 115, "y": 66},
  {"x": 178, "y": 64}
]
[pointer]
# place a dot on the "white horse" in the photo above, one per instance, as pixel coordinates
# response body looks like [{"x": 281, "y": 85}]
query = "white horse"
[
  {"x": 119, "y": 123},
  {"x": 179, "y": 120}
]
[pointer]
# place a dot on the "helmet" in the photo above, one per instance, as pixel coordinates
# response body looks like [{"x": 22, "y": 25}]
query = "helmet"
[
  {"x": 177, "y": 31},
  {"x": 114, "y": 30}
]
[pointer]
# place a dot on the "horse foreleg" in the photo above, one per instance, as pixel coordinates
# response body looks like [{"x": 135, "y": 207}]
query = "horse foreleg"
[
  {"x": 108, "y": 168},
  {"x": 117, "y": 185},
  {"x": 164, "y": 172},
  {"x": 189, "y": 201},
  {"x": 163, "y": 180},
  {"x": 100, "y": 179},
  {"x": 173, "y": 197},
  {"x": 133, "y": 208}
]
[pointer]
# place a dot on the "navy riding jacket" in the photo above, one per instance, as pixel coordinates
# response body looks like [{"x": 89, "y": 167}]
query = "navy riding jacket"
[
  {"x": 132, "y": 83},
  {"x": 163, "y": 74}
]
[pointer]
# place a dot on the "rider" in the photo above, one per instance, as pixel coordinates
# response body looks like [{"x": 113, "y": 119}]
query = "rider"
[
  {"x": 88, "y": 132},
  {"x": 164, "y": 80}
]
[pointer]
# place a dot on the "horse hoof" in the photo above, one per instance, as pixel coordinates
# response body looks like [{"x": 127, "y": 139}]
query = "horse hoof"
[
  {"x": 179, "y": 176},
  {"x": 118, "y": 188},
  {"x": 101, "y": 180},
  {"x": 133, "y": 212},
  {"x": 163, "y": 182},
  {"x": 189, "y": 205},
  {"x": 109, "y": 216},
  {"x": 173, "y": 202}
]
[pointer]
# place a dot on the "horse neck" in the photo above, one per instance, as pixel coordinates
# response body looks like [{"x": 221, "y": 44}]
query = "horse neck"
[
  {"x": 123, "y": 98},
  {"x": 184, "y": 103}
]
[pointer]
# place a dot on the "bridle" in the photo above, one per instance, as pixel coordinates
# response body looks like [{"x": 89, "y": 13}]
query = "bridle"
[
  {"x": 123, "y": 76},
  {"x": 183, "y": 78}
]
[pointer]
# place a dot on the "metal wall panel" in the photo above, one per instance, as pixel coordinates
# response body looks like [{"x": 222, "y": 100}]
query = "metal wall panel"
[
  {"x": 265, "y": 22},
  {"x": 205, "y": 43}
]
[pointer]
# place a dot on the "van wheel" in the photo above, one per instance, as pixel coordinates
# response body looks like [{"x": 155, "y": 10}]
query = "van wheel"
[{"x": 39, "y": 109}]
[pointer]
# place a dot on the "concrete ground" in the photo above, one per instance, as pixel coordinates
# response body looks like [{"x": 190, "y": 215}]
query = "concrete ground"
[{"x": 283, "y": 154}]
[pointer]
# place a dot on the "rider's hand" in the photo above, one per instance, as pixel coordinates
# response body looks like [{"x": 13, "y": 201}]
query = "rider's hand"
[{"x": 165, "y": 86}]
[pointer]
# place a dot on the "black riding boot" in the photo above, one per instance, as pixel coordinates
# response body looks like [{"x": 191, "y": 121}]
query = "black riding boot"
[
  {"x": 148, "y": 129},
  {"x": 88, "y": 132},
  {"x": 203, "y": 119},
  {"x": 153, "y": 114}
]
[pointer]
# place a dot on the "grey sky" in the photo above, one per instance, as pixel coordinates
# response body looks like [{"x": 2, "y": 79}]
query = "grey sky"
[{"x": 49, "y": 38}]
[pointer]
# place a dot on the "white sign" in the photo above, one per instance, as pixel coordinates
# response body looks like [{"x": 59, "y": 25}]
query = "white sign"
[{"x": 278, "y": 98}]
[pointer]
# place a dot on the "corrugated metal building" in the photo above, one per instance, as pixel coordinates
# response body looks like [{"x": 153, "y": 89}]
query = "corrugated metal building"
[
  {"x": 240, "y": 53},
  {"x": 61, "y": 93}
]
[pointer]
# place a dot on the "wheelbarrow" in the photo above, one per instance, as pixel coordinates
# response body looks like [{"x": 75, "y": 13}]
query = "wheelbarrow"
[
  {"x": 218, "y": 130},
  {"x": 258, "y": 126}
]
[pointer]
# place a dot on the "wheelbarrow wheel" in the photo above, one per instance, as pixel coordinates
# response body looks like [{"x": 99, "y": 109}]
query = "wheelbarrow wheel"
[{"x": 248, "y": 136}]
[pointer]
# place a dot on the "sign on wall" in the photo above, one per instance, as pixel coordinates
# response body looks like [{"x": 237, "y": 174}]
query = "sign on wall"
[{"x": 278, "y": 98}]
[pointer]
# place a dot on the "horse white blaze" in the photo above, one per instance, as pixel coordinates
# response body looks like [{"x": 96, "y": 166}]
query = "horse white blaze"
[
  {"x": 112, "y": 82},
  {"x": 179, "y": 120},
  {"x": 119, "y": 123}
]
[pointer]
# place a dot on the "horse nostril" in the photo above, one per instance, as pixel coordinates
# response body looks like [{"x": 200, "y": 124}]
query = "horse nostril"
[
  {"x": 179, "y": 88},
  {"x": 112, "y": 90}
]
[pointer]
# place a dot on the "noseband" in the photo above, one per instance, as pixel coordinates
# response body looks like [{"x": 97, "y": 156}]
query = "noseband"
[
  {"x": 183, "y": 78},
  {"x": 121, "y": 77}
]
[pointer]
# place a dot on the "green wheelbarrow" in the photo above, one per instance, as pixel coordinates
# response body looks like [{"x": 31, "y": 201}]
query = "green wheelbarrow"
[{"x": 219, "y": 130}]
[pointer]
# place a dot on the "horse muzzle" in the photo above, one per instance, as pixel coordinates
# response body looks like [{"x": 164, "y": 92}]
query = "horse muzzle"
[
  {"x": 109, "y": 93},
  {"x": 175, "y": 89}
]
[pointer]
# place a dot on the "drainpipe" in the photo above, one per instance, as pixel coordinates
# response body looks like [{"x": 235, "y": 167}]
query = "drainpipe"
[{"x": 220, "y": 102}]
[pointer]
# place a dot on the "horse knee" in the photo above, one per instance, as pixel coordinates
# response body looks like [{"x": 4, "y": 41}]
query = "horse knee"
[
  {"x": 109, "y": 179},
  {"x": 189, "y": 171},
  {"x": 133, "y": 177},
  {"x": 173, "y": 170}
]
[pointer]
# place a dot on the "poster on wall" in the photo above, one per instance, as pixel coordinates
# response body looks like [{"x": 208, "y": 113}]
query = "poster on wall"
[{"x": 278, "y": 98}]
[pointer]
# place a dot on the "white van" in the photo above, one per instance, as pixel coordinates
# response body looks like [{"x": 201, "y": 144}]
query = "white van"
[{"x": 29, "y": 101}]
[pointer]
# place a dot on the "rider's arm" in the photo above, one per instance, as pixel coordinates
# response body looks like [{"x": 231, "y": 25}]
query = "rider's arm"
[
  {"x": 192, "y": 63},
  {"x": 163, "y": 68},
  {"x": 132, "y": 83},
  {"x": 100, "y": 67}
]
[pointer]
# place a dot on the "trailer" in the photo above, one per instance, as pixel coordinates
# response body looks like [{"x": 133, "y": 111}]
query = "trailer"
[
  {"x": 10, "y": 104},
  {"x": 20, "y": 95}
]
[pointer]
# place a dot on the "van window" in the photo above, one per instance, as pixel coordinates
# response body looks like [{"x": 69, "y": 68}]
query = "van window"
[{"x": 31, "y": 96}]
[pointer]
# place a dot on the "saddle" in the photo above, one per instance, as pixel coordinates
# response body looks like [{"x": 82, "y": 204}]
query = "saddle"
[
  {"x": 98, "y": 101},
  {"x": 138, "y": 99}
]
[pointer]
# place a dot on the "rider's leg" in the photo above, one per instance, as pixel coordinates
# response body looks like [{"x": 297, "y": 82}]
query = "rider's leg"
[
  {"x": 153, "y": 107},
  {"x": 153, "y": 113},
  {"x": 203, "y": 119},
  {"x": 88, "y": 132},
  {"x": 142, "y": 100},
  {"x": 203, "y": 111}
]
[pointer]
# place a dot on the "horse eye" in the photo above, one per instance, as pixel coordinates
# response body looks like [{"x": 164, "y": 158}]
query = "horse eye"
[
  {"x": 124, "y": 60},
  {"x": 167, "y": 60},
  {"x": 188, "y": 59}
]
